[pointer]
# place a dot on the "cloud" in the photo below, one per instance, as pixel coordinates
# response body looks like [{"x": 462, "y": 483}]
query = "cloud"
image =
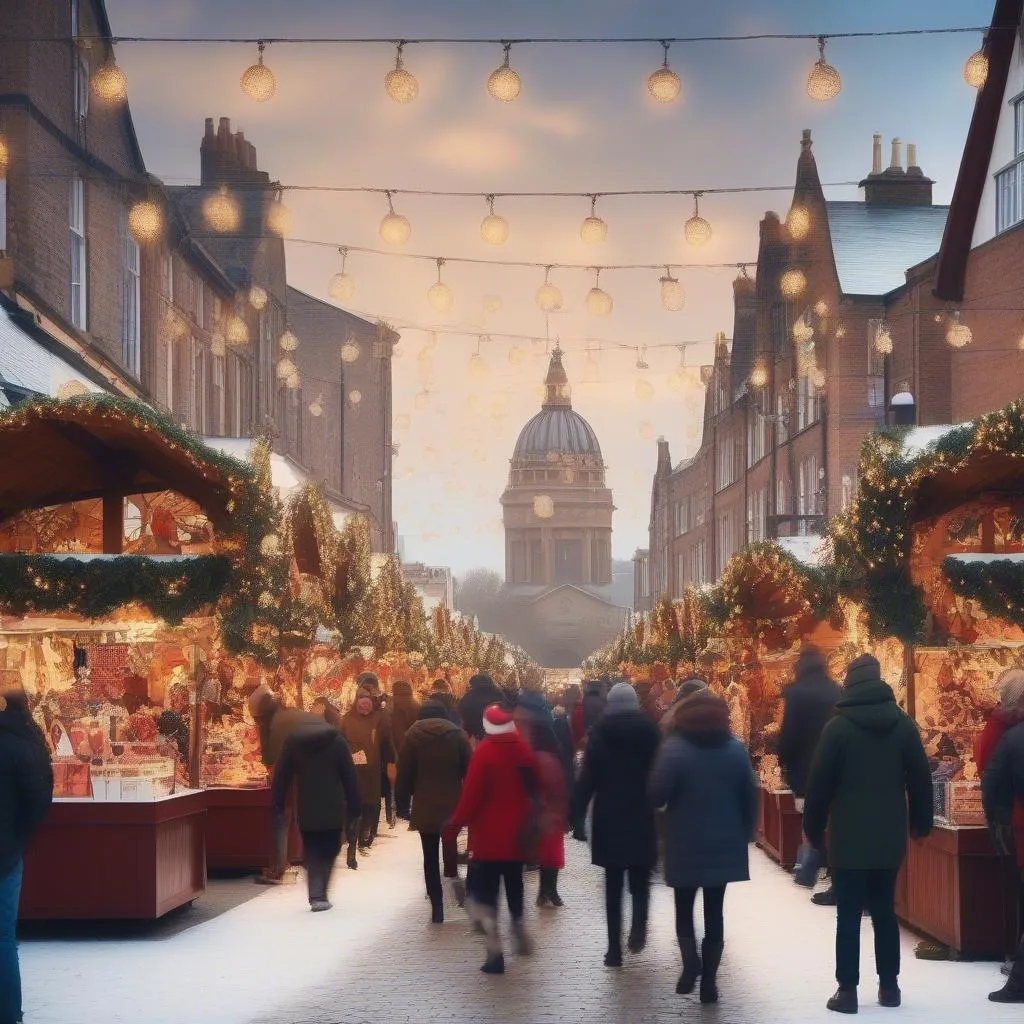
[{"x": 473, "y": 148}]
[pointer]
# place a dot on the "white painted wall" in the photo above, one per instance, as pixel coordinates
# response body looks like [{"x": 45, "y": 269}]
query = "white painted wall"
[{"x": 1002, "y": 151}]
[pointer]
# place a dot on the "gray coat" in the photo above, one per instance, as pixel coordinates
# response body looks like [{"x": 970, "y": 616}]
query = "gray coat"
[{"x": 709, "y": 791}]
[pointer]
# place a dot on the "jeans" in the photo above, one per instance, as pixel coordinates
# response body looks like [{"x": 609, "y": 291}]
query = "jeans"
[
  {"x": 320, "y": 850},
  {"x": 434, "y": 845},
  {"x": 714, "y": 923},
  {"x": 875, "y": 890},
  {"x": 10, "y": 973},
  {"x": 487, "y": 878},
  {"x": 639, "y": 890}
]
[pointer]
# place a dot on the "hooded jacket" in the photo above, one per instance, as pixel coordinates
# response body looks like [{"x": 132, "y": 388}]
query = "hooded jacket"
[
  {"x": 319, "y": 761},
  {"x": 369, "y": 740},
  {"x": 482, "y": 693},
  {"x": 869, "y": 773},
  {"x": 276, "y": 723},
  {"x": 808, "y": 703},
  {"x": 26, "y": 785},
  {"x": 432, "y": 764},
  {"x": 616, "y": 766},
  {"x": 405, "y": 709}
]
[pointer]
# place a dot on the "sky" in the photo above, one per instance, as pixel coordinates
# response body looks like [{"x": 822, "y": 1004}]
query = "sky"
[{"x": 584, "y": 124}]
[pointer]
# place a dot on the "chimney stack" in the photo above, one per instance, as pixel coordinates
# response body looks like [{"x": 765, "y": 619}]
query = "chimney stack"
[
  {"x": 896, "y": 163},
  {"x": 896, "y": 186},
  {"x": 876, "y": 154},
  {"x": 227, "y": 158}
]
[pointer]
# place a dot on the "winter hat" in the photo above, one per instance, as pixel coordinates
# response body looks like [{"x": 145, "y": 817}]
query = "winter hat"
[
  {"x": 701, "y": 711},
  {"x": 864, "y": 669},
  {"x": 367, "y": 680},
  {"x": 498, "y": 721},
  {"x": 480, "y": 680},
  {"x": 432, "y": 709},
  {"x": 262, "y": 701},
  {"x": 534, "y": 702},
  {"x": 1011, "y": 688},
  {"x": 688, "y": 687},
  {"x": 622, "y": 697}
]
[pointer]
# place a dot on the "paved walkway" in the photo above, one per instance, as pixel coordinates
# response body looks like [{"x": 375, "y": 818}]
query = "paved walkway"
[{"x": 375, "y": 958}]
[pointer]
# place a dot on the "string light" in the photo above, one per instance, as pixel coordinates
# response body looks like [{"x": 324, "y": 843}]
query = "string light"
[
  {"x": 258, "y": 80},
  {"x": 976, "y": 69},
  {"x": 821, "y": 308},
  {"x": 599, "y": 302},
  {"x": 288, "y": 342},
  {"x": 492, "y": 304},
  {"x": 883, "y": 340},
  {"x": 316, "y": 407},
  {"x": 798, "y": 222},
  {"x": 697, "y": 230},
  {"x": 109, "y": 83},
  {"x": 279, "y": 218},
  {"x": 399, "y": 83},
  {"x": 237, "y": 332},
  {"x": 823, "y": 83},
  {"x": 549, "y": 296},
  {"x": 593, "y": 230},
  {"x": 342, "y": 285},
  {"x": 439, "y": 295},
  {"x": 218, "y": 346},
  {"x": 664, "y": 84},
  {"x": 221, "y": 211},
  {"x": 350, "y": 351},
  {"x": 672, "y": 297},
  {"x": 286, "y": 368},
  {"x": 818, "y": 378},
  {"x": 5, "y": 154},
  {"x": 493, "y": 228},
  {"x": 258, "y": 297},
  {"x": 504, "y": 83},
  {"x": 394, "y": 228},
  {"x": 759, "y": 375},
  {"x": 793, "y": 284},
  {"x": 958, "y": 335},
  {"x": 355, "y": 396},
  {"x": 643, "y": 389},
  {"x": 145, "y": 220}
]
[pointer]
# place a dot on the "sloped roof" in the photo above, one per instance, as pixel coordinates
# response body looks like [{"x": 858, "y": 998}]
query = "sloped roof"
[{"x": 874, "y": 246}]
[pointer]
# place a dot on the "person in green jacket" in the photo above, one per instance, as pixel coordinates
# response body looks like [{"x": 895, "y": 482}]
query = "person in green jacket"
[{"x": 869, "y": 782}]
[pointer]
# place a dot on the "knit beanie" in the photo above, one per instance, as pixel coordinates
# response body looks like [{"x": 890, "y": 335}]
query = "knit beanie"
[
  {"x": 864, "y": 669},
  {"x": 1011, "y": 688},
  {"x": 621, "y": 697},
  {"x": 689, "y": 686}
]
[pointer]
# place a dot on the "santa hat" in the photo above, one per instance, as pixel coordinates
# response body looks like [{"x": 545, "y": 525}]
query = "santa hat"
[{"x": 497, "y": 721}]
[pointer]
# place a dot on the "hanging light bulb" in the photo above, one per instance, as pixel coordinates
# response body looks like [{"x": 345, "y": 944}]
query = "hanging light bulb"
[
  {"x": 493, "y": 228},
  {"x": 840, "y": 330},
  {"x": 681, "y": 378},
  {"x": 293, "y": 381},
  {"x": 759, "y": 375},
  {"x": 549, "y": 296},
  {"x": 516, "y": 355},
  {"x": 641, "y": 358},
  {"x": 316, "y": 407},
  {"x": 793, "y": 284},
  {"x": 821, "y": 309},
  {"x": 237, "y": 332},
  {"x": 798, "y": 222},
  {"x": 258, "y": 297},
  {"x": 697, "y": 230},
  {"x": 823, "y": 83},
  {"x": 976, "y": 69},
  {"x": 818, "y": 378},
  {"x": 218, "y": 346},
  {"x": 109, "y": 84},
  {"x": 599, "y": 302},
  {"x": 672, "y": 297},
  {"x": 257, "y": 79},
  {"x": 279, "y": 217},
  {"x": 504, "y": 82},
  {"x": 145, "y": 220},
  {"x": 342, "y": 285},
  {"x": 958, "y": 334},
  {"x": 285, "y": 368},
  {"x": 288, "y": 341},
  {"x": 394, "y": 228},
  {"x": 491, "y": 305},
  {"x": 221, "y": 211},
  {"x": 400, "y": 84},
  {"x": 883, "y": 340},
  {"x": 350, "y": 351},
  {"x": 643, "y": 389},
  {"x": 478, "y": 369},
  {"x": 593, "y": 230},
  {"x": 355, "y": 397},
  {"x": 439, "y": 295},
  {"x": 664, "y": 84}
]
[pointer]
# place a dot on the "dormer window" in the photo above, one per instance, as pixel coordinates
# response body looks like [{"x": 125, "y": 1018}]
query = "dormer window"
[{"x": 1010, "y": 180}]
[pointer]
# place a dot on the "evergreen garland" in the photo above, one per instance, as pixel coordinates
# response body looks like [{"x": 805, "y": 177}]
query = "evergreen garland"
[{"x": 997, "y": 585}]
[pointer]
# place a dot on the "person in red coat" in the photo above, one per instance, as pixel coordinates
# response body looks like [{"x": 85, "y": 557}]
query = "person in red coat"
[{"x": 499, "y": 805}]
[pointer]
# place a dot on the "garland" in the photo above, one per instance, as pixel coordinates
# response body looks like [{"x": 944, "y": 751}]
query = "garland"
[{"x": 997, "y": 585}]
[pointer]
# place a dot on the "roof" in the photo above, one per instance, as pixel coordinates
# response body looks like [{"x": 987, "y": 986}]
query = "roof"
[
  {"x": 329, "y": 307},
  {"x": 973, "y": 174},
  {"x": 874, "y": 246},
  {"x": 918, "y": 440},
  {"x": 557, "y": 430}
]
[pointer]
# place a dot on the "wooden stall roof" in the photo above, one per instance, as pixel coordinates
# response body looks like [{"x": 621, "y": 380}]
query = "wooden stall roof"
[{"x": 996, "y": 474}]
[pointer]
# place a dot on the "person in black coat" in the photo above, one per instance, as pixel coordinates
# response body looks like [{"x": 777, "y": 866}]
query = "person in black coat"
[
  {"x": 318, "y": 759},
  {"x": 594, "y": 703},
  {"x": 618, "y": 760},
  {"x": 26, "y": 792},
  {"x": 482, "y": 693}
]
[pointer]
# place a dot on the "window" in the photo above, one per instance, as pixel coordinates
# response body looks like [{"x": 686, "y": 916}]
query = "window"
[
  {"x": 806, "y": 403},
  {"x": 1010, "y": 180},
  {"x": 726, "y": 540},
  {"x": 536, "y": 562},
  {"x": 197, "y": 392},
  {"x": 757, "y": 515},
  {"x": 699, "y": 563},
  {"x": 684, "y": 512},
  {"x": 79, "y": 268},
  {"x": 680, "y": 574},
  {"x": 568, "y": 561},
  {"x": 169, "y": 388},
  {"x": 781, "y": 420},
  {"x": 848, "y": 483},
  {"x": 266, "y": 359},
  {"x": 200, "y": 305},
  {"x": 757, "y": 437},
  {"x": 807, "y": 499},
  {"x": 3, "y": 213},
  {"x": 780, "y": 497},
  {"x": 726, "y": 460},
  {"x": 167, "y": 276},
  {"x": 600, "y": 561},
  {"x": 130, "y": 310},
  {"x": 219, "y": 398}
]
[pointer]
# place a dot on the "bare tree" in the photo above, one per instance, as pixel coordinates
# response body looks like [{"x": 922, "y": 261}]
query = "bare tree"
[{"x": 478, "y": 592}]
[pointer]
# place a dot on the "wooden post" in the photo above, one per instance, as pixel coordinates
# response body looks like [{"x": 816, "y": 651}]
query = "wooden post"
[
  {"x": 909, "y": 675},
  {"x": 196, "y": 739},
  {"x": 113, "y": 524}
]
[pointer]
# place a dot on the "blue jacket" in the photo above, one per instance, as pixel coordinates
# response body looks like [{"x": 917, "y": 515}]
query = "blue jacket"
[{"x": 707, "y": 786}]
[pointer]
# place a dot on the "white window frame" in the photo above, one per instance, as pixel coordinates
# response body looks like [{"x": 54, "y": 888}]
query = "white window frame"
[
  {"x": 168, "y": 276},
  {"x": 200, "y": 305},
  {"x": 79, "y": 254},
  {"x": 132, "y": 295},
  {"x": 220, "y": 395},
  {"x": 82, "y": 84},
  {"x": 807, "y": 403},
  {"x": 807, "y": 501},
  {"x": 781, "y": 420},
  {"x": 237, "y": 396},
  {"x": 169, "y": 381},
  {"x": 3, "y": 214}
]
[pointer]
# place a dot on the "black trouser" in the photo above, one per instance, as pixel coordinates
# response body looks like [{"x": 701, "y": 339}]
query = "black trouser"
[
  {"x": 639, "y": 890},
  {"x": 319, "y": 851},
  {"x": 876, "y": 891},
  {"x": 369, "y": 820},
  {"x": 389, "y": 795},
  {"x": 487, "y": 878},
  {"x": 434, "y": 845},
  {"x": 714, "y": 924}
]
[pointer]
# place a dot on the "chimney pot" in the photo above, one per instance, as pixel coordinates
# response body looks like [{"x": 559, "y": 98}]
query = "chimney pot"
[
  {"x": 208, "y": 133},
  {"x": 911, "y": 155},
  {"x": 896, "y": 162},
  {"x": 876, "y": 154},
  {"x": 252, "y": 156}
]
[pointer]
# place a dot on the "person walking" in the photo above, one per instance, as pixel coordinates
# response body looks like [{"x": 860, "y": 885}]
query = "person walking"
[
  {"x": 369, "y": 681},
  {"x": 704, "y": 779},
  {"x": 592, "y": 704},
  {"x": 26, "y": 792},
  {"x": 441, "y": 692},
  {"x": 365, "y": 729},
  {"x": 405, "y": 710},
  {"x": 808, "y": 704},
  {"x": 616, "y": 766},
  {"x": 482, "y": 693},
  {"x": 318, "y": 760},
  {"x": 323, "y": 707},
  {"x": 868, "y": 781},
  {"x": 500, "y": 806},
  {"x": 999, "y": 755},
  {"x": 432, "y": 764}
]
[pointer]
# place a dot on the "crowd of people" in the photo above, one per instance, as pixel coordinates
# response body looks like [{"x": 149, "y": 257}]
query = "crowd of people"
[{"x": 659, "y": 778}]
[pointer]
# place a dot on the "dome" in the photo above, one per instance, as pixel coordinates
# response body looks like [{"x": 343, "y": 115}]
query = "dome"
[{"x": 557, "y": 430}]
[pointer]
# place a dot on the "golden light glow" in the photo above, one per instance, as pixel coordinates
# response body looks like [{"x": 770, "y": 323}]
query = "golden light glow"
[
  {"x": 350, "y": 351},
  {"x": 288, "y": 341},
  {"x": 146, "y": 221},
  {"x": 504, "y": 83},
  {"x": 237, "y": 332},
  {"x": 958, "y": 334},
  {"x": 439, "y": 295},
  {"x": 599, "y": 302},
  {"x": 221, "y": 211},
  {"x": 286, "y": 368},
  {"x": 71, "y": 389},
  {"x": 355, "y": 396},
  {"x": 664, "y": 84},
  {"x": 493, "y": 228},
  {"x": 399, "y": 83},
  {"x": 798, "y": 222},
  {"x": 394, "y": 228},
  {"x": 883, "y": 341},
  {"x": 793, "y": 284},
  {"x": 257, "y": 80},
  {"x": 543, "y": 506},
  {"x": 109, "y": 83},
  {"x": 759, "y": 375},
  {"x": 258, "y": 297},
  {"x": 697, "y": 230},
  {"x": 672, "y": 297},
  {"x": 279, "y": 218},
  {"x": 218, "y": 346},
  {"x": 316, "y": 407},
  {"x": 342, "y": 287},
  {"x": 823, "y": 83},
  {"x": 976, "y": 69}
]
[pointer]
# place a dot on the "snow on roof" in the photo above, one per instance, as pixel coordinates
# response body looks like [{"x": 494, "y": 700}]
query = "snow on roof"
[
  {"x": 920, "y": 439},
  {"x": 811, "y": 550},
  {"x": 990, "y": 556}
]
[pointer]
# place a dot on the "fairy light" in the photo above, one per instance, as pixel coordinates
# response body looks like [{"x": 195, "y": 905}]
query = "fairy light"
[
  {"x": 824, "y": 82},
  {"x": 286, "y": 368},
  {"x": 549, "y": 296},
  {"x": 350, "y": 351},
  {"x": 279, "y": 218},
  {"x": 257, "y": 80},
  {"x": 145, "y": 220},
  {"x": 399, "y": 83},
  {"x": 342, "y": 286},
  {"x": 599, "y": 302},
  {"x": 883, "y": 340},
  {"x": 759, "y": 375},
  {"x": 672, "y": 297},
  {"x": 593, "y": 230},
  {"x": 798, "y": 222},
  {"x": 109, "y": 83},
  {"x": 504, "y": 83},
  {"x": 222, "y": 212},
  {"x": 664, "y": 85},
  {"x": 793, "y": 283},
  {"x": 958, "y": 335},
  {"x": 493, "y": 228},
  {"x": 394, "y": 228},
  {"x": 976, "y": 69},
  {"x": 288, "y": 342},
  {"x": 237, "y": 331},
  {"x": 697, "y": 230},
  {"x": 355, "y": 396},
  {"x": 316, "y": 407},
  {"x": 439, "y": 295},
  {"x": 258, "y": 297}
]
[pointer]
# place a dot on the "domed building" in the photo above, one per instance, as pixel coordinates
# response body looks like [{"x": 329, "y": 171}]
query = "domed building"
[{"x": 557, "y": 514}]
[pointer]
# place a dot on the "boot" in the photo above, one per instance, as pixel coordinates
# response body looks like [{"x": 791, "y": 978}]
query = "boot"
[
  {"x": 691, "y": 966},
  {"x": 889, "y": 995},
  {"x": 613, "y": 958},
  {"x": 459, "y": 890},
  {"x": 351, "y": 860},
  {"x": 495, "y": 962},
  {"x": 521, "y": 938},
  {"x": 825, "y": 898},
  {"x": 711, "y": 957},
  {"x": 844, "y": 1001},
  {"x": 638, "y": 926},
  {"x": 547, "y": 895},
  {"x": 1013, "y": 990}
]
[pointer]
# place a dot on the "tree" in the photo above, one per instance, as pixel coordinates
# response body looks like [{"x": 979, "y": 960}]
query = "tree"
[
  {"x": 352, "y": 582},
  {"x": 478, "y": 592}
]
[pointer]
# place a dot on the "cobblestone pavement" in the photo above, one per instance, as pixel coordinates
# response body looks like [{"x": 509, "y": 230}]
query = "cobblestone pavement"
[{"x": 375, "y": 958}]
